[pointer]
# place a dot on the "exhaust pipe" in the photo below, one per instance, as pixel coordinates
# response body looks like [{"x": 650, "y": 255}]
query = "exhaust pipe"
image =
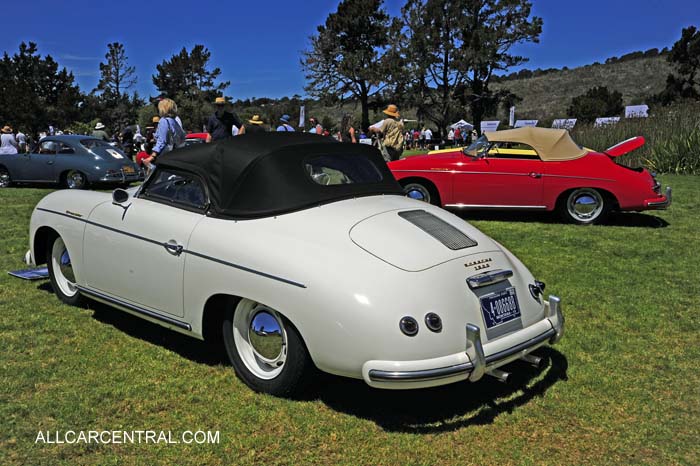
[
  {"x": 502, "y": 376},
  {"x": 534, "y": 360}
]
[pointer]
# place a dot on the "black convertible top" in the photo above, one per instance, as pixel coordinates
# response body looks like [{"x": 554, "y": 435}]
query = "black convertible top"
[{"x": 265, "y": 174}]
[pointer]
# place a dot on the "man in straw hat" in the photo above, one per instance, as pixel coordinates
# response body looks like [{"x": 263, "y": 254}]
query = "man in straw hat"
[
  {"x": 390, "y": 131},
  {"x": 221, "y": 123},
  {"x": 255, "y": 125},
  {"x": 100, "y": 132}
]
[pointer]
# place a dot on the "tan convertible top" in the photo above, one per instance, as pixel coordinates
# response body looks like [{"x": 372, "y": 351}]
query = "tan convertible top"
[{"x": 550, "y": 144}]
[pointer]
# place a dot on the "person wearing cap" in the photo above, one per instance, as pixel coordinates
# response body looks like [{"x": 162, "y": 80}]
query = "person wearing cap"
[
  {"x": 285, "y": 126},
  {"x": 315, "y": 127},
  {"x": 8, "y": 143},
  {"x": 100, "y": 132},
  {"x": 221, "y": 123},
  {"x": 255, "y": 125},
  {"x": 391, "y": 132}
]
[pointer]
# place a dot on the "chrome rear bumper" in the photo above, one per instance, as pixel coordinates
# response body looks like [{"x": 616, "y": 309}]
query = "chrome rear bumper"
[
  {"x": 479, "y": 363},
  {"x": 660, "y": 205}
]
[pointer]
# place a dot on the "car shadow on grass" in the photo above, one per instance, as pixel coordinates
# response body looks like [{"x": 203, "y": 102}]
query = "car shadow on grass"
[
  {"x": 617, "y": 219},
  {"x": 447, "y": 408}
]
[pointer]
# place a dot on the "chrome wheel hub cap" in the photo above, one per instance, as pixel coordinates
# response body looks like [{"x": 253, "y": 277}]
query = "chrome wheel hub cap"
[
  {"x": 4, "y": 179},
  {"x": 261, "y": 339},
  {"x": 75, "y": 180},
  {"x": 418, "y": 192},
  {"x": 585, "y": 205}
]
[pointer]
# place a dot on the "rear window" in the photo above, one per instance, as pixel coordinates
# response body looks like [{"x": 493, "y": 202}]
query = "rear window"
[
  {"x": 95, "y": 143},
  {"x": 337, "y": 169}
]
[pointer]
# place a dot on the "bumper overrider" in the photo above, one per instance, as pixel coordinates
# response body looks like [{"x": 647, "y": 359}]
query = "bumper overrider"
[{"x": 471, "y": 364}]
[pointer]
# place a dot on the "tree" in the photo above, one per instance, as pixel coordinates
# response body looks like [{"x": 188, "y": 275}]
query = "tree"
[
  {"x": 685, "y": 56},
  {"x": 116, "y": 74},
  {"x": 114, "y": 105},
  {"x": 187, "y": 79},
  {"x": 34, "y": 93},
  {"x": 454, "y": 47},
  {"x": 596, "y": 102},
  {"x": 347, "y": 55}
]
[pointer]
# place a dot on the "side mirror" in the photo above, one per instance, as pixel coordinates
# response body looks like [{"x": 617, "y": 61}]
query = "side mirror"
[{"x": 119, "y": 196}]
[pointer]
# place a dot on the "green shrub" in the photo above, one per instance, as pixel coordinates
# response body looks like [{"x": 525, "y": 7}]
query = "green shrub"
[{"x": 672, "y": 139}]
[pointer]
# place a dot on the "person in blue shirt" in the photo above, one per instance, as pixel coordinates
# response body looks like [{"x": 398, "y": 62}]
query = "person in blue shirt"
[
  {"x": 169, "y": 134},
  {"x": 285, "y": 126}
]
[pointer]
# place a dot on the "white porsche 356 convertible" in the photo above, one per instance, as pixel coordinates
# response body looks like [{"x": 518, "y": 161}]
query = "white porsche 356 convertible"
[{"x": 298, "y": 251}]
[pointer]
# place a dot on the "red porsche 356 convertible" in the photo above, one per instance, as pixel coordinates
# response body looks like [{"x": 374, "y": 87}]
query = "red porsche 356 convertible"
[{"x": 532, "y": 168}]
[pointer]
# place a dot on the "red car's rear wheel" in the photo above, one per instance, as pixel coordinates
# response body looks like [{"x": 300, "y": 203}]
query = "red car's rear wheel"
[{"x": 584, "y": 206}]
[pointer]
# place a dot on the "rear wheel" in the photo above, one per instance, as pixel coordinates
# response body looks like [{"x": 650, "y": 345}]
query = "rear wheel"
[
  {"x": 265, "y": 349},
  {"x": 5, "y": 180},
  {"x": 585, "y": 206},
  {"x": 61, "y": 272},
  {"x": 76, "y": 180},
  {"x": 421, "y": 192}
]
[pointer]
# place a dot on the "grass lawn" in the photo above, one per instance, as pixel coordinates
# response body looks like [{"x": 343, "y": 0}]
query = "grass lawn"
[{"x": 623, "y": 386}]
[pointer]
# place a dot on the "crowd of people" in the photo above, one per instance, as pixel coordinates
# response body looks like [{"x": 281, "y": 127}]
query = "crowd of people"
[{"x": 166, "y": 132}]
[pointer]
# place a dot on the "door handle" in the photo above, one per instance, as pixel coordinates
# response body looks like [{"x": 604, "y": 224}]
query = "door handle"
[
  {"x": 50, "y": 162},
  {"x": 173, "y": 248},
  {"x": 535, "y": 175}
]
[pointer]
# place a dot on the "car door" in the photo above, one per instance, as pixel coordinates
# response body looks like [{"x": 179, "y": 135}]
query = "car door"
[
  {"x": 505, "y": 177},
  {"x": 134, "y": 251},
  {"x": 39, "y": 165}
]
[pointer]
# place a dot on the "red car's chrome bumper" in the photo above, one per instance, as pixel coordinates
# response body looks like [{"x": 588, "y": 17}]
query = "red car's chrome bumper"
[{"x": 659, "y": 203}]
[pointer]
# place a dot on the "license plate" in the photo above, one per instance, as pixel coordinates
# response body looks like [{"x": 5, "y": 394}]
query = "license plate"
[
  {"x": 128, "y": 169},
  {"x": 500, "y": 307}
]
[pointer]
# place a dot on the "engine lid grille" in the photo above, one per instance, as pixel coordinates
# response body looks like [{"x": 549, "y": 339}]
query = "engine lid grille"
[{"x": 438, "y": 229}]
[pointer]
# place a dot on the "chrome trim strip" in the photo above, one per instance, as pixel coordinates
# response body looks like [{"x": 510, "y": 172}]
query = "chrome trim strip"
[
  {"x": 482, "y": 206},
  {"x": 193, "y": 253},
  {"x": 489, "y": 278},
  {"x": 522, "y": 346},
  {"x": 377, "y": 375},
  {"x": 460, "y": 172},
  {"x": 134, "y": 308},
  {"x": 245, "y": 269}
]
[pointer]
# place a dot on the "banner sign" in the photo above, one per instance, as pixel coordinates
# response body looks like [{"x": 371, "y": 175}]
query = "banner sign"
[
  {"x": 636, "y": 111},
  {"x": 522, "y": 123},
  {"x": 605, "y": 121},
  {"x": 564, "y": 123},
  {"x": 511, "y": 116},
  {"x": 302, "y": 117},
  {"x": 489, "y": 125}
]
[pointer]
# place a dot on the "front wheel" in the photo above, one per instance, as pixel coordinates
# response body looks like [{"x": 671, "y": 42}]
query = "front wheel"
[
  {"x": 584, "y": 206},
  {"x": 265, "y": 349},
  {"x": 61, "y": 272}
]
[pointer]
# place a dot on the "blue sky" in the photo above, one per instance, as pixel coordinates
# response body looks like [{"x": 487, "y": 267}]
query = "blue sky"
[{"x": 257, "y": 45}]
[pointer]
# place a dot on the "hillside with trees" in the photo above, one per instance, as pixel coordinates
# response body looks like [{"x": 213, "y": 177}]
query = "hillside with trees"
[{"x": 547, "y": 95}]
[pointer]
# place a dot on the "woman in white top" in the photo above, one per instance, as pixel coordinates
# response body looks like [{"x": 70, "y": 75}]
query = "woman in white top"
[{"x": 8, "y": 143}]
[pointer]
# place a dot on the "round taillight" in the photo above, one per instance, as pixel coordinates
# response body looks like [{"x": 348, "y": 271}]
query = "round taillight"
[
  {"x": 409, "y": 326},
  {"x": 433, "y": 322}
]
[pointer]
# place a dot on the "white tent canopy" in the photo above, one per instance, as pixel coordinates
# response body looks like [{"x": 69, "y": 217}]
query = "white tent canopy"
[{"x": 462, "y": 124}]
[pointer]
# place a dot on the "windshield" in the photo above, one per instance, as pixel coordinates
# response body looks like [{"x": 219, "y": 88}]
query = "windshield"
[{"x": 478, "y": 147}]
